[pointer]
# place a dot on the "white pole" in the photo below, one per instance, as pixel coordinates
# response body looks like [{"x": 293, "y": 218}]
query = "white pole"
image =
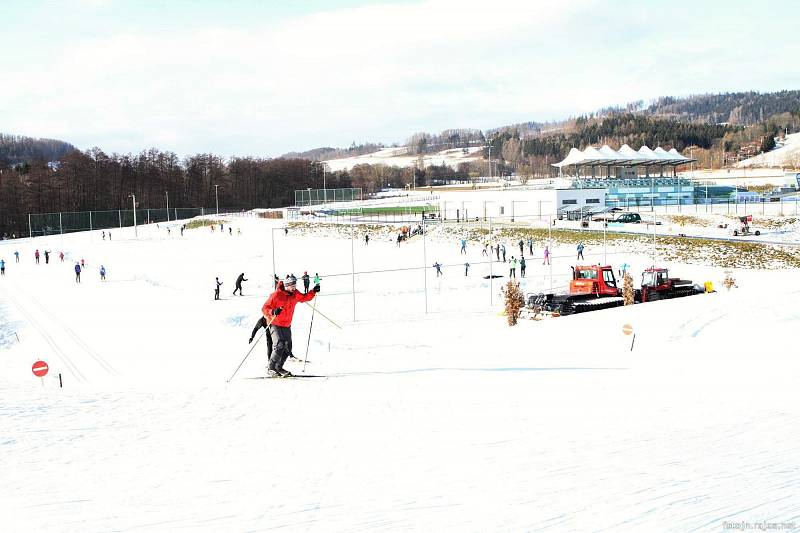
[
  {"x": 654, "y": 239},
  {"x": 491, "y": 277},
  {"x": 425, "y": 260},
  {"x": 353, "y": 267},
  {"x": 135, "y": 229},
  {"x": 90, "y": 221},
  {"x": 324, "y": 185},
  {"x": 550, "y": 249},
  {"x": 274, "y": 271},
  {"x": 167, "y": 193},
  {"x": 30, "y": 228},
  {"x": 60, "y": 224},
  {"x": 216, "y": 195},
  {"x": 605, "y": 259}
]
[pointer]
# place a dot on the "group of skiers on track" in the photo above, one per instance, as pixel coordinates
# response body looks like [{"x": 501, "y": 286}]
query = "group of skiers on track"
[{"x": 79, "y": 267}]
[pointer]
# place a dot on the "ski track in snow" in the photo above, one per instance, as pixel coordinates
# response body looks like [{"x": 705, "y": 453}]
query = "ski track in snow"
[{"x": 449, "y": 421}]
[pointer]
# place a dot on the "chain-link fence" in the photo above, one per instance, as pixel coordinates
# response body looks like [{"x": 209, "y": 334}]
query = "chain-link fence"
[
  {"x": 306, "y": 197},
  {"x": 70, "y": 222}
]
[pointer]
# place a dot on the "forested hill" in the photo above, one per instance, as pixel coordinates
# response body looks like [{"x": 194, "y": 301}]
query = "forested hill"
[
  {"x": 16, "y": 149},
  {"x": 327, "y": 152},
  {"x": 741, "y": 109}
]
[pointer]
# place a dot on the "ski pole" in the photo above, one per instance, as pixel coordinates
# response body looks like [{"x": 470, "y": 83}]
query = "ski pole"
[
  {"x": 251, "y": 349},
  {"x": 308, "y": 344},
  {"x": 323, "y": 315}
]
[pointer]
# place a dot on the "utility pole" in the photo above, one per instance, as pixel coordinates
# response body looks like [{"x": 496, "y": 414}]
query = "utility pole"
[{"x": 167, "y": 193}]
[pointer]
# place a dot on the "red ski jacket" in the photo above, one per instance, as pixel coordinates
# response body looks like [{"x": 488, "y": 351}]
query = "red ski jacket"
[{"x": 286, "y": 301}]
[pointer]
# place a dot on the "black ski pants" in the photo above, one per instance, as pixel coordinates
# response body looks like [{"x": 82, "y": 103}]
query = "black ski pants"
[
  {"x": 238, "y": 288},
  {"x": 262, "y": 323},
  {"x": 282, "y": 346}
]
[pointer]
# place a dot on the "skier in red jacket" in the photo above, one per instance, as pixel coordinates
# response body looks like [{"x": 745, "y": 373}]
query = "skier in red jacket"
[{"x": 279, "y": 309}]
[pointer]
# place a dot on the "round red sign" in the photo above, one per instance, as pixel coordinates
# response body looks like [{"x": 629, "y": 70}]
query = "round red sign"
[{"x": 40, "y": 369}]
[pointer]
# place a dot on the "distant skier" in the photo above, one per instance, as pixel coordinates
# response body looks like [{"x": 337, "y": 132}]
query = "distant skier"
[
  {"x": 285, "y": 232},
  {"x": 230, "y": 231},
  {"x": 83, "y": 265},
  {"x": 279, "y": 309},
  {"x": 366, "y": 241},
  {"x": 77, "y": 272},
  {"x": 438, "y": 268},
  {"x": 530, "y": 246},
  {"x": 2, "y": 267},
  {"x": 102, "y": 273},
  {"x": 580, "y": 250},
  {"x": 183, "y": 227},
  {"x": 104, "y": 235},
  {"x": 61, "y": 256},
  {"x": 484, "y": 253},
  {"x": 512, "y": 271},
  {"x": 522, "y": 266},
  {"x": 47, "y": 257},
  {"x": 463, "y": 246},
  {"x": 497, "y": 251},
  {"x": 399, "y": 238},
  {"x": 239, "y": 281},
  {"x": 546, "y": 256},
  {"x": 109, "y": 235},
  {"x": 521, "y": 247},
  {"x": 16, "y": 256},
  {"x": 306, "y": 281},
  {"x": 466, "y": 269},
  {"x": 504, "y": 253},
  {"x": 36, "y": 255},
  {"x": 317, "y": 279},
  {"x": 216, "y": 290}
]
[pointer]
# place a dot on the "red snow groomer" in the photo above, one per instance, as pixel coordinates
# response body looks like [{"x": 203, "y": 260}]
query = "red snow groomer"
[
  {"x": 657, "y": 285},
  {"x": 595, "y": 287},
  {"x": 591, "y": 288}
]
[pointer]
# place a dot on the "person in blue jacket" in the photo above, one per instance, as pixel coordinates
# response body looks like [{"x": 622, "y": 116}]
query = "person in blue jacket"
[
  {"x": 102, "y": 273},
  {"x": 77, "y": 272}
]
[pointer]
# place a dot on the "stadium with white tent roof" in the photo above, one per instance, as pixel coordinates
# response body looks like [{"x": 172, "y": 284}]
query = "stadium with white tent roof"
[{"x": 627, "y": 175}]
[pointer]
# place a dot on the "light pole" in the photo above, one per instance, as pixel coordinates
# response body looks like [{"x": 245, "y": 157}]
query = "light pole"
[
  {"x": 216, "y": 195},
  {"x": 324, "y": 182},
  {"x": 135, "y": 230},
  {"x": 167, "y": 193},
  {"x": 489, "y": 141}
]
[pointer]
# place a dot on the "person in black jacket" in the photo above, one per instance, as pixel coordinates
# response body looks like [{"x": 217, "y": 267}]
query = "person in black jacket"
[
  {"x": 306, "y": 280},
  {"x": 239, "y": 281},
  {"x": 216, "y": 290}
]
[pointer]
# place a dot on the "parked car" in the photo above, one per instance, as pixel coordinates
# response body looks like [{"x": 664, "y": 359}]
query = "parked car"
[{"x": 627, "y": 218}]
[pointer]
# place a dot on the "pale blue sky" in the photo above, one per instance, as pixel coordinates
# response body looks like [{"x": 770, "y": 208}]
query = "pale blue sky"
[{"x": 246, "y": 77}]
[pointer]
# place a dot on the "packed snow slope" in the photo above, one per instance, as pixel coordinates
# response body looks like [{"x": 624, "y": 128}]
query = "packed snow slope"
[{"x": 445, "y": 420}]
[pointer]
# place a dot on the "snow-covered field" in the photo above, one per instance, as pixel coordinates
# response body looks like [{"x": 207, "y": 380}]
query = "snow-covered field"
[
  {"x": 787, "y": 155},
  {"x": 397, "y": 157},
  {"x": 445, "y": 420}
]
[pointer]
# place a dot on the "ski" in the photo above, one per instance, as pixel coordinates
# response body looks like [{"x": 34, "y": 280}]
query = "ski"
[{"x": 293, "y": 376}]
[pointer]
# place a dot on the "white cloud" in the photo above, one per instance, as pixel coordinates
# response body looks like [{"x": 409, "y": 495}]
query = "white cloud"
[{"x": 354, "y": 74}]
